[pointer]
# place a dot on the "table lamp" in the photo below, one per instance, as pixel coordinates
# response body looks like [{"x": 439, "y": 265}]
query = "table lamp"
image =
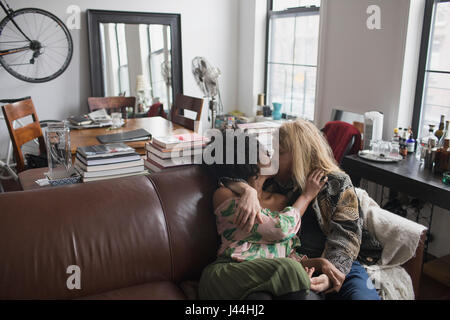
[{"x": 141, "y": 87}]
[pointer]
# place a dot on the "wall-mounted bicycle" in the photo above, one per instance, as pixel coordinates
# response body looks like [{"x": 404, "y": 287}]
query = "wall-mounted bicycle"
[{"x": 35, "y": 46}]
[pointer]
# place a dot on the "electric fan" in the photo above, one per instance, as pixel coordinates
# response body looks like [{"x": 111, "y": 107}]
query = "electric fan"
[{"x": 207, "y": 78}]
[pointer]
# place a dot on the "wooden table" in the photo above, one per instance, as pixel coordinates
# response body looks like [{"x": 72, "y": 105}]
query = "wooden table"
[{"x": 157, "y": 126}]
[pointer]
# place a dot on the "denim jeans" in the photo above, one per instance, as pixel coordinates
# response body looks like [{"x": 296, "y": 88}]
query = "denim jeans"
[{"x": 356, "y": 286}]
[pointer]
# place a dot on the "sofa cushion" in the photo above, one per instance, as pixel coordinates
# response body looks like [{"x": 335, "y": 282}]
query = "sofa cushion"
[{"x": 163, "y": 290}]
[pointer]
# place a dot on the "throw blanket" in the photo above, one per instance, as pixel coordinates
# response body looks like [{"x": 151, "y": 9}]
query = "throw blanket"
[{"x": 400, "y": 238}]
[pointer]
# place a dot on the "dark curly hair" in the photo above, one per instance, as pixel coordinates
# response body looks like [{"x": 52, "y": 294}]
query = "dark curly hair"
[{"x": 247, "y": 167}]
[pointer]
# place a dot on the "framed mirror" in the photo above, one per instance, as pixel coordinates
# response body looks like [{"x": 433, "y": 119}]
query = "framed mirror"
[{"x": 135, "y": 54}]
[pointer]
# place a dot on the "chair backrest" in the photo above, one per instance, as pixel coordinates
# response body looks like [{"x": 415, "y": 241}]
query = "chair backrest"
[
  {"x": 22, "y": 135},
  {"x": 112, "y": 104},
  {"x": 182, "y": 103},
  {"x": 343, "y": 139}
]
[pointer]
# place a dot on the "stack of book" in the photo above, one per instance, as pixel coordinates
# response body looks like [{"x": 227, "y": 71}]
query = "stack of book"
[
  {"x": 108, "y": 161},
  {"x": 173, "y": 151}
]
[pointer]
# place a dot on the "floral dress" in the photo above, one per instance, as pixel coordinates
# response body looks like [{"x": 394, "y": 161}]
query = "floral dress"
[{"x": 262, "y": 260}]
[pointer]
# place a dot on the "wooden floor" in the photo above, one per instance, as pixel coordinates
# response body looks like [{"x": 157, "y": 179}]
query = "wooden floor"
[{"x": 429, "y": 288}]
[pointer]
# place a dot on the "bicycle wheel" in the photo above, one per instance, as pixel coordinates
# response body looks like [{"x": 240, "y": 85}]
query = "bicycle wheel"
[{"x": 49, "y": 52}]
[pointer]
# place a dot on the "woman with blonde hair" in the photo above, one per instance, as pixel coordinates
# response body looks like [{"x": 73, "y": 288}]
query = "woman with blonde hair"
[{"x": 332, "y": 224}]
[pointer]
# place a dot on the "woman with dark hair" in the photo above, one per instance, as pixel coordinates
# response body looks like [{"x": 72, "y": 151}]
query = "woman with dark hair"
[{"x": 262, "y": 263}]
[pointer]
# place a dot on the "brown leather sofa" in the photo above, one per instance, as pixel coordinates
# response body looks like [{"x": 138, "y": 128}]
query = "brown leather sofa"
[{"x": 141, "y": 237}]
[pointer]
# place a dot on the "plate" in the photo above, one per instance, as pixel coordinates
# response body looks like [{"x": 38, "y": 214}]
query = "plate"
[{"x": 369, "y": 155}]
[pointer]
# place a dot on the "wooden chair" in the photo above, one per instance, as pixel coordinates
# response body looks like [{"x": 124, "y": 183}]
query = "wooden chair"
[
  {"x": 182, "y": 103},
  {"x": 113, "y": 104},
  {"x": 22, "y": 135}
]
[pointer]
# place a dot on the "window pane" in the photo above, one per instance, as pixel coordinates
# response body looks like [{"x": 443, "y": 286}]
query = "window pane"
[
  {"x": 304, "y": 93},
  {"x": 122, "y": 43},
  {"x": 291, "y": 78},
  {"x": 156, "y": 37},
  {"x": 280, "y": 5},
  {"x": 124, "y": 80},
  {"x": 436, "y": 101},
  {"x": 440, "y": 41},
  {"x": 306, "y": 39},
  {"x": 280, "y": 86},
  {"x": 281, "y": 46}
]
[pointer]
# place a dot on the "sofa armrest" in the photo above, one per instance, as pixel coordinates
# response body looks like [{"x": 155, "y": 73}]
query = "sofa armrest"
[{"x": 414, "y": 265}]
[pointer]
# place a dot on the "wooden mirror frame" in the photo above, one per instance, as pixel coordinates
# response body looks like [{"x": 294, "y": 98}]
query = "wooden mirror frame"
[{"x": 95, "y": 17}]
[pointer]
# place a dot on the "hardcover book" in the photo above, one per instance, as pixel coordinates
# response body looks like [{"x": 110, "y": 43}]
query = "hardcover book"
[
  {"x": 104, "y": 150},
  {"x": 134, "y": 135},
  {"x": 180, "y": 140}
]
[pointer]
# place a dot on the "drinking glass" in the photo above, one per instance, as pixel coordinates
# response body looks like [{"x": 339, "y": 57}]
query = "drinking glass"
[
  {"x": 395, "y": 150},
  {"x": 375, "y": 147},
  {"x": 116, "y": 120},
  {"x": 385, "y": 148},
  {"x": 57, "y": 138}
]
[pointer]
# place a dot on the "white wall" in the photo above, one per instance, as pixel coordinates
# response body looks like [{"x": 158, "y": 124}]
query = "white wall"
[
  {"x": 251, "y": 52},
  {"x": 361, "y": 69},
  {"x": 209, "y": 28}
]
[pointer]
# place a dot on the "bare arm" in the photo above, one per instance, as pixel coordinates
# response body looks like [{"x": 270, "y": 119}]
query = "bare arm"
[
  {"x": 248, "y": 210},
  {"x": 314, "y": 184}
]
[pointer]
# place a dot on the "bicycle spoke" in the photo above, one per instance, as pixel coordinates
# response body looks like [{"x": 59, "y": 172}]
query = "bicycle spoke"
[
  {"x": 16, "y": 57},
  {"x": 59, "y": 53},
  {"x": 29, "y": 29},
  {"x": 15, "y": 31},
  {"x": 44, "y": 31},
  {"x": 48, "y": 37},
  {"x": 53, "y": 57},
  {"x": 56, "y": 41},
  {"x": 13, "y": 41}
]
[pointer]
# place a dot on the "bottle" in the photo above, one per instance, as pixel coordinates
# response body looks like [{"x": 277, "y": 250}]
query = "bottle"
[
  {"x": 396, "y": 138},
  {"x": 424, "y": 142},
  {"x": 440, "y": 132},
  {"x": 444, "y": 135},
  {"x": 442, "y": 157},
  {"x": 430, "y": 151},
  {"x": 403, "y": 146},
  {"x": 410, "y": 143}
]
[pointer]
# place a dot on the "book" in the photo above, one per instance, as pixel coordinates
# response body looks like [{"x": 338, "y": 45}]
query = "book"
[
  {"x": 80, "y": 120},
  {"x": 264, "y": 125},
  {"x": 105, "y": 173},
  {"x": 115, "y": 176},
  {"x": 152, "y": 166},
  {"x": 134, "y": 135},
  {"x": 105, "y": 150},
  {"x": 173, "y": 152},
  {"x": 109, "y": 160},
  {"x": 180, "y": 140},
  {"x": 111, "y": 166},
  {"x": 166, "y": 163}
]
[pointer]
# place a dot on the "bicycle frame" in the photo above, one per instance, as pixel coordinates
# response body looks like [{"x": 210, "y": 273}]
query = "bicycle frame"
[{"x": 8, "y": 12}]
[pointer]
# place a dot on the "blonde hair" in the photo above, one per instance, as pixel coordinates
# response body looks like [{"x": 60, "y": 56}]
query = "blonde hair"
[{"x": 309, "y": 149}]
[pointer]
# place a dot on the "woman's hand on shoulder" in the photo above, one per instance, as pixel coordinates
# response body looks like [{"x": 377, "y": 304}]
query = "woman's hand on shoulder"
[
  {"x": 314, "y": 184},
  {"x": 248, "y": 210}
]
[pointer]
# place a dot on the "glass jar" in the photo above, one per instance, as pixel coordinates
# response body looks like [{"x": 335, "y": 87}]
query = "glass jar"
[{"x": 57, "y": 140}]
